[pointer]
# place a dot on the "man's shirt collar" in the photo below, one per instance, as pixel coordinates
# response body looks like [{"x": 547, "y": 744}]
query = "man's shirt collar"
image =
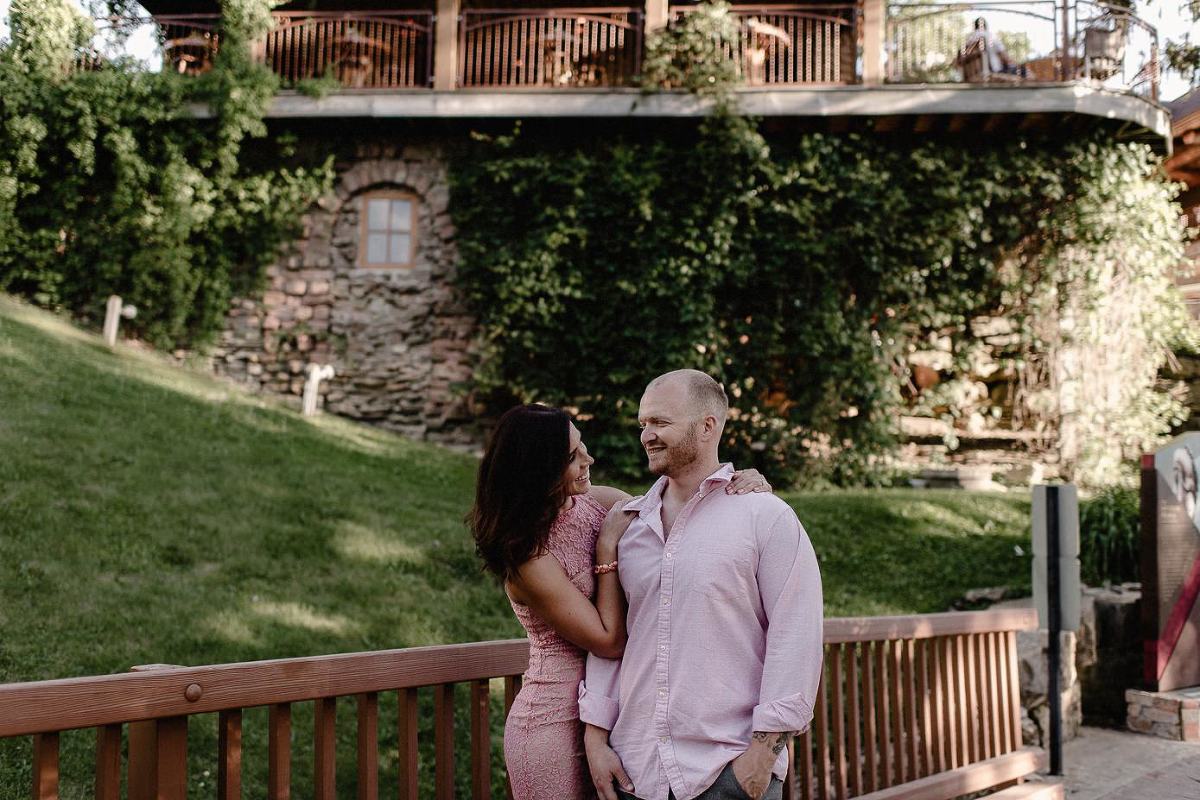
[{"x": 652, "y": 499}]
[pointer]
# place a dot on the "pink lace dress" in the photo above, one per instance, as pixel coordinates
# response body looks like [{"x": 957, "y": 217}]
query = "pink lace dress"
[{"x": 543, "y": 738}]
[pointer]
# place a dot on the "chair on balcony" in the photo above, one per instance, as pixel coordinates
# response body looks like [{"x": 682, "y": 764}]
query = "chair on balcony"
[
  {"x": 762, "y": 41},
  {"x": 191, "y": 54},
  {"x": 360, "y": 58},
  {"x": 1104, "y": 47}
]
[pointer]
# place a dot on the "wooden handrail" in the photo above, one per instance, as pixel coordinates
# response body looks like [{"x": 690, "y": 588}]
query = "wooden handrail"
[
  {"x": 926, "y": 626},
  {"x": 57, "y": 705}
]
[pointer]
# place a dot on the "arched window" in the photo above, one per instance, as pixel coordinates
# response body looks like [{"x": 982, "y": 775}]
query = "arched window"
[{"x": 389, "y": 230}]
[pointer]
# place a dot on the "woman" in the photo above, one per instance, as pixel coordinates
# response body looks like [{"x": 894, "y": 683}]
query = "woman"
[{"x": 546, "y": 532}]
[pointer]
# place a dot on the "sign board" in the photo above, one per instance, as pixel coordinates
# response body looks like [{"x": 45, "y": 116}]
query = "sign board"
[
  {"x": 1169, "y": 565},
  {"x": 1068, "y": 556}
]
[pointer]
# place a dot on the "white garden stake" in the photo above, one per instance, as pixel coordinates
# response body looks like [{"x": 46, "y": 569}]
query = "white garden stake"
[
  {"x": 316, "y": 374},
  {"x": 112, "y": 318}
]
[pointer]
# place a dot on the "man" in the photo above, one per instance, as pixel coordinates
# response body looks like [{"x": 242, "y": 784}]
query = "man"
[{"x": 724, "y": 652}]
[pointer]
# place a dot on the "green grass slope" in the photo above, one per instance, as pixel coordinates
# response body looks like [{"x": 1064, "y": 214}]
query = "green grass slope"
[{"x": 149, "y": 513}]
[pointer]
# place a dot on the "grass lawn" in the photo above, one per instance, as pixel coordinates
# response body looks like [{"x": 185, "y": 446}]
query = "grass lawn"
[{"x": 151, "y": 514}]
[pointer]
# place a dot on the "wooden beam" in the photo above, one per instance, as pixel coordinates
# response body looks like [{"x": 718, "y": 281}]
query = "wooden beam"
[
  {"x": 874, "y": 20},
  {"x": 445, "y": 52},
  {"x": 658, "y": 14}
]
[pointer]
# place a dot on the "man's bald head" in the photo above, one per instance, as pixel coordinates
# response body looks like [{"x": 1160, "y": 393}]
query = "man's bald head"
[{"x": 704, "y": 395}]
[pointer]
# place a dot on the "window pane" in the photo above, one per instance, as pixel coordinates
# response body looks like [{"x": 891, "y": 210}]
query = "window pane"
[
  {"x": 377, "y": 248},
  {"x": 401, "y": 244},
  {"x": 401, "y": 215},
  {"x": 377, "y": 215}
]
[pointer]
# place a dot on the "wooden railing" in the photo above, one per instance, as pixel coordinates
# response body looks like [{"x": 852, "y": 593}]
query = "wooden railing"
[
  {"x": 557, "y": 47},
  {"x": 793, "y": 44},
  {"x": 363, "y": 50},
  {"x": 902, "y": 698},
  {"x": 189, "y": 41}
]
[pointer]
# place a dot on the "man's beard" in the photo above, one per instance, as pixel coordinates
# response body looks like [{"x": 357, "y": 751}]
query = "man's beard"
[{"x": 679, "y": 456}]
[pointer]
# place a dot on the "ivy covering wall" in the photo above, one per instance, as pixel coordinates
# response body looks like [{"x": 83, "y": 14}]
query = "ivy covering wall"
[
  {"x": 800, "y": 272},
  {"x": 109, "y": 184}
]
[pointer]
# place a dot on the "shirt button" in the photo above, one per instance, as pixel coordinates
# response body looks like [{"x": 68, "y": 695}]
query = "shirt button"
[
  {"x": 666, "y": 602},
  {"x": 662, "y": 739},
  {"x": 668, "y": 555}
]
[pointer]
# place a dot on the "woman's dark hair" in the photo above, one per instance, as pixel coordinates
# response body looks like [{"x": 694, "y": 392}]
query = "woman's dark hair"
[{"x": 520, "y": 487}]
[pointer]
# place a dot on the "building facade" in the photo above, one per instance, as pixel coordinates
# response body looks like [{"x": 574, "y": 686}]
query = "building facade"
[{"x": 369, "y": 285}]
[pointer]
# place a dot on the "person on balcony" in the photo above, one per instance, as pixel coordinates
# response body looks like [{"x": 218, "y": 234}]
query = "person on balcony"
[
  {"x": 542, "y": 527},
  {"x": 998, "y": 61},
  {"x": 725, "y": 633}
]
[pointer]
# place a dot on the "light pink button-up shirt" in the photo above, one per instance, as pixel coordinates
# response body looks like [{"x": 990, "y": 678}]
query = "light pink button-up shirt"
[{"x": 725, "y": 638}]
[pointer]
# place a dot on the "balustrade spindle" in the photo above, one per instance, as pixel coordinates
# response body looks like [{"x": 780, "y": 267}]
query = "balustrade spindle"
[
  {"x": 229, "y": 755},
  {"x": 443, "y": 740},
  {"x": 108, "y": 762},
  {"x": 279, "y": 752},
  {"x": 407, "y": 718},
  {"x": 324, "y": 748},
  {"x": 45, "y": 766},
  {"x": 870, "y": 729},
  {"x": 821, "y": 732},
  {"x": 481, "y": 742},
  {"x": 834, "y": 659},
  {"x": 854, "y": 723},
  {"x": 368, "y": 746}
]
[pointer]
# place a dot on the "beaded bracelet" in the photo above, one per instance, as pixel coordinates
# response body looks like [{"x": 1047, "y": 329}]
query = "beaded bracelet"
[{"x": 600, "y": 569}]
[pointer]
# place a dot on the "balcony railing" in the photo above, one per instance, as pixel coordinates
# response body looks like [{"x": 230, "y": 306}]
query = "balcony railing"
[
  {"x": 794, "y": 44},
  {"x": 365, "y": 50},
  {"x": 555, "y": 47},
  {"x": 362, "y": 50},
  {"x": 1020, "y": 42},
  {"x": 994, "y": 42}
]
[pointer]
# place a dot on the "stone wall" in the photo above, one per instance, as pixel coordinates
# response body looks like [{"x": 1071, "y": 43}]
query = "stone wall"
[
  {"x": 398, "y": 338},
  {"x": 964, "y": 411},
  {"x": 1099, "y": 663}
]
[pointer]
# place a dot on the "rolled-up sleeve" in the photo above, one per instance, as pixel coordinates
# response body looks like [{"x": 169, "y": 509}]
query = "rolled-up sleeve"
[
  {"x": 789, "y": 582},
  {"x": 598, "y": 692}
]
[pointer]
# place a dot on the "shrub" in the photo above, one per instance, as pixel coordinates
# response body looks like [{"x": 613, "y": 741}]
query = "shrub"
[
  {"x": 1108, "y": 536},
  {"x": 109, "y": 185}
]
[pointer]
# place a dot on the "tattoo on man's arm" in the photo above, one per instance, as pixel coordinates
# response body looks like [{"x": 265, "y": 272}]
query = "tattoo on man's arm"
[{"x": 776, "y": 740}]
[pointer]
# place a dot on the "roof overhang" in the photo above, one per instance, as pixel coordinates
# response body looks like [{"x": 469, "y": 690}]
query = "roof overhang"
[{"x": 1136, "y": 117}]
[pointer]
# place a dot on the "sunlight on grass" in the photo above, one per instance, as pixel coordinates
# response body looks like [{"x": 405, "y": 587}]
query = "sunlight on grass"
[
  {"x": 298, "y": 615},
  {"x": 943, "y": 519},
  {"x": 240, "y": 626},
  {"x": 232, "y": 628},
  {"x": 361, "y": 543}
]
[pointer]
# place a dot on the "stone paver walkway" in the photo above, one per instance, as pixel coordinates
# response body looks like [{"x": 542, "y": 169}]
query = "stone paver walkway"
[{"x": 1104, "y": 764}]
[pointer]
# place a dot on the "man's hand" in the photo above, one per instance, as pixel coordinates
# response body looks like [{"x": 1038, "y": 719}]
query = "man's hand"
[
  {"x": 752, "y": 769},
  {"x": 604, "y": 764}
]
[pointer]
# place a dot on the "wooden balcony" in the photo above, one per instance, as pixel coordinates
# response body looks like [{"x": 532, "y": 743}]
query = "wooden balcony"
[{"x": 1038, "y": 61}]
